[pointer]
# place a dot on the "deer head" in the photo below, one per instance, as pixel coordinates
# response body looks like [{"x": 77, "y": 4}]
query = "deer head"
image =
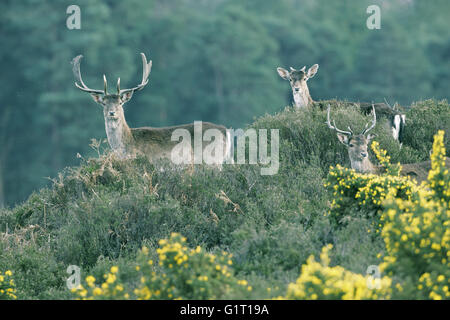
[
  {"x": 356, "y": 144},
  {"x": 298, "y": 80},
  {"x": 112, "y": 102},
  {"x": 119, "y": 135}
]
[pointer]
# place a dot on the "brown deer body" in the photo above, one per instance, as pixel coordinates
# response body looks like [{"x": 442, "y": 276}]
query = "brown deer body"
[
  {"x": 154, "y": 143},
  {"x": 357, "y": 146}
]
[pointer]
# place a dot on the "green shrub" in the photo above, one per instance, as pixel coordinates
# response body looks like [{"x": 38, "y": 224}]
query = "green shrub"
[
  {"x": 37, "y": 275},
  {"x": 102, "y": 212},
  {"x": 423, "y": 120},
  {"x": 179, "y": 273},
  {"x": 304, "y": 136}
]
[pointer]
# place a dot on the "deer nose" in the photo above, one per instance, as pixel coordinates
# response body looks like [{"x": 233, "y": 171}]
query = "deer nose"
[
  {"x": 297, "y": 89},
  {"x": 112, "y": 113},
  {"x": 363, "y": 154}
]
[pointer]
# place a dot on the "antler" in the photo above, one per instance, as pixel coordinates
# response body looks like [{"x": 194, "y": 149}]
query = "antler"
[
  {"x": 77, "y": 73},
  {"x": 302, "y": 69},
  {"x": 146, "y": 68},
  {"x": 349, "y": 133},
  {"x": 374, "y": 121}
]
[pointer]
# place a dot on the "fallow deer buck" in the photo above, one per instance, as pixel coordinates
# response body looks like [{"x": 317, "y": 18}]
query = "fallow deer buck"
[
  {"x": 359, "y": 155},
  {"x": 298, "y": 81},
  {"x": 154, "y": 143},
  {"x": 396, "y": 119}
]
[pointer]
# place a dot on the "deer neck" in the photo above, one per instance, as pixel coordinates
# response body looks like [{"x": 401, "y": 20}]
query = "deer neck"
[
  {"x": 302, "y": 98},
  {"x": 363, "y": 166},
  {"x": 119, "y": 135}
]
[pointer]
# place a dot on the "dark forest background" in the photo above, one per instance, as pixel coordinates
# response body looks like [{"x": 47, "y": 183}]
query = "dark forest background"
[{"x": 213, "y": 60}]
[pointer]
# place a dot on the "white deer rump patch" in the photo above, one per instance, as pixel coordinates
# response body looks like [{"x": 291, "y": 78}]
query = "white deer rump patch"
[{"x": 398, "y": 122}]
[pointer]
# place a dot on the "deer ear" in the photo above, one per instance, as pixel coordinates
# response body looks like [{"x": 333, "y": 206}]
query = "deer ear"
[
  {"x": 125, "y": 97},
  {"x": 98, "y": 97},
  {"x": 312, "y": 71},
  {"x": 283, "y": 73},
  {"x": 370, "y": 136},
  {"x": 343, "y": 138}
]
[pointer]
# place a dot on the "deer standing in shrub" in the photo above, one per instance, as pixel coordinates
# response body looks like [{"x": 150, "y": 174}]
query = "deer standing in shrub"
[
  {"x": 298, "y": 81},
  {"x": 359, "y": 155},
  {"x": 154, "y": 143}
]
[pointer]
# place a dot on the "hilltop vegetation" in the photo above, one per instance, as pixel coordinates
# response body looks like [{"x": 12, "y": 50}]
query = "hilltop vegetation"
[
  {"x": 213, "y": 60},
  {"x": 101, "y": 214}
]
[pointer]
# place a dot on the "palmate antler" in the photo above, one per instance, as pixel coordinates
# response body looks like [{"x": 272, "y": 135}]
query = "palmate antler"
[
  {"x": 76, "y": 71},
  {"x": 146, "y": 68}
]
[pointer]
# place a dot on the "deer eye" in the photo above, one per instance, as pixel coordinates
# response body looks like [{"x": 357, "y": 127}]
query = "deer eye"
[{"x": 351, "y": 145}]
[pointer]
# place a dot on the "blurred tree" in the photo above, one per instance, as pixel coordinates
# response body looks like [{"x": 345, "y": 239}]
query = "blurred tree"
[
  {"x": 389, "y": 66},
  {"x": 214, "y": 60}
]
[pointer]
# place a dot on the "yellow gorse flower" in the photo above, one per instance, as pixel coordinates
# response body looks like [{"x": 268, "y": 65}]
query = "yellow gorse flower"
[
  {"x": 180, "y": 273},
  {"x": 7, "y": 286},
  {"x": 320, "y": 281},
  {"x": 414, "y": 221}
]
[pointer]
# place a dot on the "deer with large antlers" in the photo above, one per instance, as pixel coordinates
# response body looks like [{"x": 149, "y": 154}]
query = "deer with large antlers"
[
  {"x": 155, "y": 143},
  {"x": 359, "y": 156}
]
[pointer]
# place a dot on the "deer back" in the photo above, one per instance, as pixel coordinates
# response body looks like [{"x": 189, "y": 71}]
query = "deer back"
[
  {"x": 156, "y": 142},
  {"x": 419, "y": 170}
]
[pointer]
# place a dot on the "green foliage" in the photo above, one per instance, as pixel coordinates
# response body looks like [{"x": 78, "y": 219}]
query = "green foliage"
[
  {"x": 417, "y": 235},
  {"x": 212, "y": 60},
  {"x": 37, "y": 275},
  {"x": 414, "y": 224},
  {"x": 101, "y": 213},
  {"x": 178, "y": 273},
  {"x": 423, "y": 120}
]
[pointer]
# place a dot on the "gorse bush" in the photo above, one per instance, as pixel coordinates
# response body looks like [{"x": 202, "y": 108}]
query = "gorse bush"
[
  {"x": 7, "y": 286},
  {"x": 417, "y": 234},
  {"x": 179, "y": 273},
  {"x": 385, "y": 160},
  {"x": 365, "y": 193},
  {"x": 187, "y": 273},
  {"x": 109, "y": 288},
  {"x": 101, "y": 214},
  {"x": 439, "y": 177},
  {"x": 417, "y": 242},
  {"x": 414, "y": 220},
  {"x": 318, "y": 280}
]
